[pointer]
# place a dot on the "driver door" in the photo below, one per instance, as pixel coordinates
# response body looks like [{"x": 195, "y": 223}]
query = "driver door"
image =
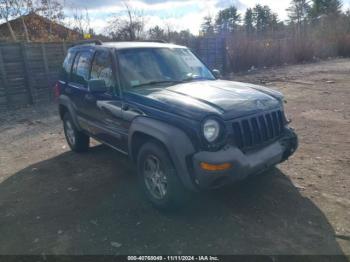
[{"x": 107, "y": 109}]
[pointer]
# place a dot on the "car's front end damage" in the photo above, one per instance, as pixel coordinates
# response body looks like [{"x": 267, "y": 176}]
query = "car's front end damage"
[
  {"x": 242, "y": 129},
  {"x": 249, "y": 137},
  {"x": 232, "y": 163}
]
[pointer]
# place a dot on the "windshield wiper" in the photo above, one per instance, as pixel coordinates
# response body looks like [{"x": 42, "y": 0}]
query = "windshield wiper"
[
  {"x": 157, "y": 82},
  {"x": 189, "y": 79}
]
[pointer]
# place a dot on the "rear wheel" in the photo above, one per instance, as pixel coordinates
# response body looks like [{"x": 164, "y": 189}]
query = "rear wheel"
[
  {"x": 77, "y": 140},
  {"x": 158, "y": 177}
]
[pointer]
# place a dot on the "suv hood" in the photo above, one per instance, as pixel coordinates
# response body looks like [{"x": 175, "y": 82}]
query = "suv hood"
[{"x": 198, "y": 99}]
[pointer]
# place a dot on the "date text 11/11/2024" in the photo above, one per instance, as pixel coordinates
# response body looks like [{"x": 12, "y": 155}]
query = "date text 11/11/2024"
[{"x": 173, "y": 258}]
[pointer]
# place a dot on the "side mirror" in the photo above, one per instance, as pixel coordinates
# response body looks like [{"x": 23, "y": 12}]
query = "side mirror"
[
  {"x": 216, "y": 73},
  {"x": 97, "y": 86}
]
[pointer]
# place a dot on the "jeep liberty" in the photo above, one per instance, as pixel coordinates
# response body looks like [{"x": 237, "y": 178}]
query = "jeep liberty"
[{"x": 184, "y": 128}]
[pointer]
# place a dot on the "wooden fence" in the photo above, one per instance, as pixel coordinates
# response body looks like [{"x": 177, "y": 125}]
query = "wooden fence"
[{"x": 28, "y": 71}]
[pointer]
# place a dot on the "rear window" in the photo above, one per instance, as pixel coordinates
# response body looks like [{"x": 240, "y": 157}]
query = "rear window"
[{"x": 81, "y": 68}]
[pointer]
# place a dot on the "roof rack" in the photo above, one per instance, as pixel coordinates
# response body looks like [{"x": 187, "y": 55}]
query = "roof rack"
[
  {"x": 86, "y": 42},
  {"x": 156, "y": 41},
  {"x": 145, "y": 41}
]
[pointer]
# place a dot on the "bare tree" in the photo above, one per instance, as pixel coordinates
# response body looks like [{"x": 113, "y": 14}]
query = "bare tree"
[
  {"x": 298, "y": 13},
  {"x": 52, "y": 10},
  {"x": 23, "y": 8},
  {"x": 81, "y": 21},
  {"x": 169, "y": 29},
  {"x": 7, "y": 11},
  {"x": 130, "y": 27}
]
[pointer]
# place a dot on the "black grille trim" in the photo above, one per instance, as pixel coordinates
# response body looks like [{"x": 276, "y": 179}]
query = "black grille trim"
[{"x": 256, "y": 130}]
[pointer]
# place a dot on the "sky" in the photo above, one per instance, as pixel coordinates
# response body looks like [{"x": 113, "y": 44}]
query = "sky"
[{"x": 178, "y": 14}]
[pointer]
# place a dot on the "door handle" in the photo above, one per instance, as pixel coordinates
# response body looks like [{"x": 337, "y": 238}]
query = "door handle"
[
  {"x": 90, "y": 98},
  {"x": 125, "y": 107},
  {"x": 131, "y": 109}
]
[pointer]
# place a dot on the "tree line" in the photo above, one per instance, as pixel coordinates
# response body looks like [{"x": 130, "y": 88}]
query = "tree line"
[
  {"x": 261, "y": 20},
  {"x": 131, "y": 24},
  {"x": 315, "y": 28}
]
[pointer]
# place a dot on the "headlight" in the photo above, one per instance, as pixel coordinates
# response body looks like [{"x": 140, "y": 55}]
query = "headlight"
[{"x": 211, "y": 130}]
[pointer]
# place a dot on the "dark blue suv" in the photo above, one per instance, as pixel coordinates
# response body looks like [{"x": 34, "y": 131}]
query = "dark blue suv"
[{"x": 185, "y": 129}]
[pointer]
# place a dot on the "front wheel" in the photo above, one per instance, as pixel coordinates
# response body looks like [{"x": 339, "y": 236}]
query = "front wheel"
[
  {"x": 77, "y": 140},
  {"x": 158, "y": 177}
]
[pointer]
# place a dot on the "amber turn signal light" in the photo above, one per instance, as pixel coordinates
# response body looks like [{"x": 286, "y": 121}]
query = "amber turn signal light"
[{"x": 210, "y": 167}]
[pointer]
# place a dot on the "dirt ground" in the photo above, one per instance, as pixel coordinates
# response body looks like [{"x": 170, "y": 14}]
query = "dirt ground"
[{"x": 53, "y": 201}]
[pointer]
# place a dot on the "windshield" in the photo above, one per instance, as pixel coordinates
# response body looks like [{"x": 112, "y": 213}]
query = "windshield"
[{"x": 150, "y": 66}]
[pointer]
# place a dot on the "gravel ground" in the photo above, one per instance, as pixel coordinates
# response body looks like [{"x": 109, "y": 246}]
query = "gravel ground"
[{"x": 53, "y": 201}]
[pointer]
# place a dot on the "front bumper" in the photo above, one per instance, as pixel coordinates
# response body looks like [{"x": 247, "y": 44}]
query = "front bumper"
[{"x": 242, "y": 164}]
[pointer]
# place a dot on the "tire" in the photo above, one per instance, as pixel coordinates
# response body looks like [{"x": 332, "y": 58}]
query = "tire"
[
  {"x": 175, "y": 193},
  {"x": 77, "y": 140}
]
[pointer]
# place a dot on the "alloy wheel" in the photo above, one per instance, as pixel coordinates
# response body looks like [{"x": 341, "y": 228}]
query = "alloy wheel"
[
  {"x": 70, "y": 132},
  {"x": 155, "y": 178}
]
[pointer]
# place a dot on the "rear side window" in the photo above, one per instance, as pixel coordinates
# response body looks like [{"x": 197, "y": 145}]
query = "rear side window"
[
  {"x": 67, "y": 65},
  {"x": 81, "y": 68},
  {"x": 102, "y": 69}
]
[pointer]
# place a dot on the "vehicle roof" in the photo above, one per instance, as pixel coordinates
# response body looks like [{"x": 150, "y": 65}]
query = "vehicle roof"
[{"x": 128, "y": 45}]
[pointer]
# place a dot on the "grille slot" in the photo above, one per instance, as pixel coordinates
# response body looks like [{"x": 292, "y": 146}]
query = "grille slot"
[
  {"x": 247, "y": 134},
  {"x": 253, "y": 131},
  {"x": 238, "y": 136}
]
